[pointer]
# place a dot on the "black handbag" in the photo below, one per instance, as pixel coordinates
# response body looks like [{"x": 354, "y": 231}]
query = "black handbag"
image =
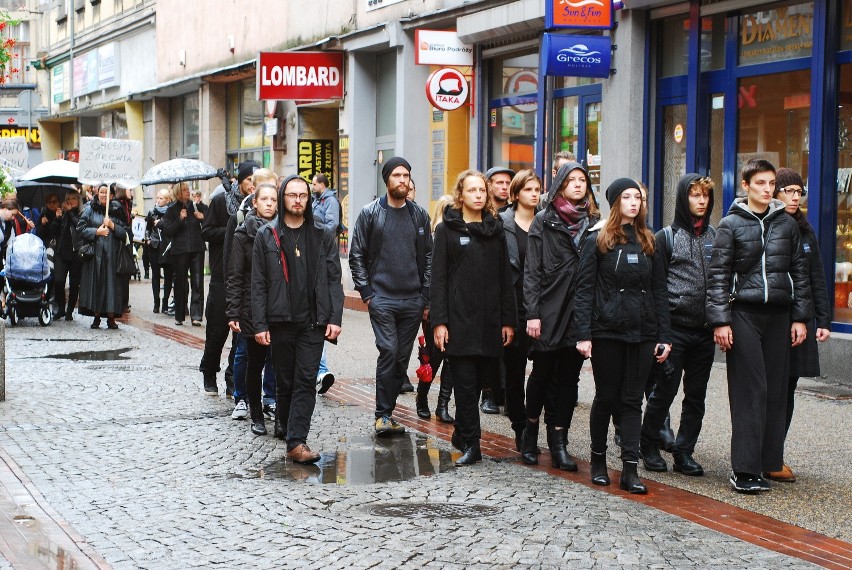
[
  {"x": 85, "y": 249},
  {"x": 126, "y": 265}
]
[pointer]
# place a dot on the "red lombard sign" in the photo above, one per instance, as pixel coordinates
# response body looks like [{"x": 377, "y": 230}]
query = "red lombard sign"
[{"x": 302, "y": 75}]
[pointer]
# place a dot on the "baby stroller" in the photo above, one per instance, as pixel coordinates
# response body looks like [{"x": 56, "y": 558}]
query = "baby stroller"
[{"x": 27, "y": 274}]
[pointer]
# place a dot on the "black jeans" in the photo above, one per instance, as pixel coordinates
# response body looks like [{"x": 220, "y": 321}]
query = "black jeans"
[
  {"x": 196, "y": 280},
  {"x": 692, "y": 355},
  {"x": 758, "y": 368},
  {"x": 469, "y": 375},
  {"x": 72, "y": 271},
  {"x": 621, "y": 370},
  {"x": 146, "y": 257},
  {"x": 217, "y": 330},
  {"x": 296, "y": 352},
  {"x": 395, "y": 323},
  {"x": 515, "y": 363},
  {"x": 254, "y": 374},
  {"x": 180, "y": 264},
  {"x": 167, "y": 275},
  {"x": 553, "y": 386}
]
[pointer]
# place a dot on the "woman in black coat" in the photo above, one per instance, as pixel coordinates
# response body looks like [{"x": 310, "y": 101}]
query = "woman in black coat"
[
  {"x": 804, "y": 359},
  {"x": 100, "y": 285},
  {"x": 556, "y": 236},
  {"x": 238, "y": 295},
  {"x": 157, "y": 243},
  {"x": 67, "y": 264},
  {"x": 622, "y": 308},
  {"x": 473, "y": 309},
  {"x": 180, "y": 224},
  {"x": 124, "y": 198}
]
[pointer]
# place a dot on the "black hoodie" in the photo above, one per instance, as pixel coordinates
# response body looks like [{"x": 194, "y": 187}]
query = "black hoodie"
[
  {"x": 471, "y": 291},
  {"x": 686, "y": 259},
  {"x": 270, "y": 299}
]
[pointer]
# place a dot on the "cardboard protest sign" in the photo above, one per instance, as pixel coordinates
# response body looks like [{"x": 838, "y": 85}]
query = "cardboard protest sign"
[
  {"x": 104, "y": 161},
  {"x": 14, "y": 154}
]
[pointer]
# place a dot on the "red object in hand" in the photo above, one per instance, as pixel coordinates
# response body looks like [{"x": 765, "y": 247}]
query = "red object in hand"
[{"x": 424, "y": 372}]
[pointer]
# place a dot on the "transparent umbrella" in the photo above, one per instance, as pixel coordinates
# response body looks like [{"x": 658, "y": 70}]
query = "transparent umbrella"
[{"x": 178, "y": 170}]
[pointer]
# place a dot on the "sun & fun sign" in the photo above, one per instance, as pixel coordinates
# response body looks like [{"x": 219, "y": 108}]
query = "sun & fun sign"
[{"x": 596, "y": 14}]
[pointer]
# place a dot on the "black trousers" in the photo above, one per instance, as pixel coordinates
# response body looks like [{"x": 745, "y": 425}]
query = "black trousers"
[
  {"x": 469, "y": 375},
  {"x": 146, "y": 257},
  {"x": 691, "y": 356},
  {"x": 758, "y": 365},
  {"x": 296, "y": 353},
  {"x": 515, "y": 364},
  {"x": 167, "y": 279},
  {"x": 217, "y": 330},
  {"x": 196, "y": 281},
  {"x": 70, "y": 270},
  {"x": 436, "y": 358},
  {"x": 553, "y": 386},
  {"x": 621, "y": 370},
  {"x": 180, "y": 264},
  {"x": 254, "y": 374},
  {"x": 395, "y": 323}
]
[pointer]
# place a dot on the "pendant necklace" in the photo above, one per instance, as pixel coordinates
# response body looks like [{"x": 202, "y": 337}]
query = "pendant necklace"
[{"x": 296, "y": 240}]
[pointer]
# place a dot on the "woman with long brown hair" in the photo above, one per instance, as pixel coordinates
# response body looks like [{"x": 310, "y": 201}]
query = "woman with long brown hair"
[
  {"x": 472, "y": 309},
  {"x": 622, "y": 308}
]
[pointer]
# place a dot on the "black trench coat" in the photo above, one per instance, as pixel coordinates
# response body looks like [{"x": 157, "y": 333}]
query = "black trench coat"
[{"x": 100, "y": 287}]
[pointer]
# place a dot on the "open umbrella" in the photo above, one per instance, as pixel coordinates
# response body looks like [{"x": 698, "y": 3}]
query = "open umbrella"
[
  {"x": 32, "y": 194},
  {"x": 178, "y": 170},
  {"x": 56, "y": 171}
]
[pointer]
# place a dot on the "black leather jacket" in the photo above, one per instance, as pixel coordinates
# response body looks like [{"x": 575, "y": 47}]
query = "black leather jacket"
[
  {"x": 757, "y": 262},
  {"x": 366, "y": 245}
]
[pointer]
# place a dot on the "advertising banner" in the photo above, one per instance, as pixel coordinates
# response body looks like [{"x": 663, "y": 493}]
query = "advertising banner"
[
  {"x": 576, "y": 56},
  {"x": 590, "y": 14},
  {"x": 316, "y": 156},
  {"x": 434, "y": 47},
  {"x": 300, "y": 75}
]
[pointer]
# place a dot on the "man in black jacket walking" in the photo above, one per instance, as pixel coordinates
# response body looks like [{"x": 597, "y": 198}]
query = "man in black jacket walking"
[
  {"x": 391, "y": 257},
  {"x": 297, "y": 304}
]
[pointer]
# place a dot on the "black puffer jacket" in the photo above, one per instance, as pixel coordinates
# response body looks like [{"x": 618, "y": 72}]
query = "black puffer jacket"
[
  {"x": 553, "y": 258},
  {"x": 185, "y": 234},
  {"x": 270, "y": 296},
  {"x": 238, "y": 273},
  {"x": 621, "y": 294},
  {"x": 472, "y": 292},
  {"x": 65, "y": 232},
  {"x": 758, "y": 262},
  {"x": 366, "y": 245}
]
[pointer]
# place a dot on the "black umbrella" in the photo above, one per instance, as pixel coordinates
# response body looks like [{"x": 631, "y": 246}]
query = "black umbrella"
[{"x": 32, "y": 194}]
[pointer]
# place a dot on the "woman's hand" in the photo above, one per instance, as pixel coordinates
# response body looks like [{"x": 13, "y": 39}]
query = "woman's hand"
[
  {"x": 534, "y": 328},
  {"x": 442, "y": 336},
  {"x": 102, "y": 231},
  {"x": 109, "y": 223},
  {"x": 584, "y": 347},
  {"x": 798, "y": 333},
  {"x": 199, "y": 215},
  {"x": 508, "y": 335},
  {"x": 823, "y": 335},
  {"x": 724, "y": 337},
  {"x": 234, "y": 326},
  {"x": 262, "y": 338},
  {"x": 183, "y": 214},
  {"x": 667, "y": 349}
]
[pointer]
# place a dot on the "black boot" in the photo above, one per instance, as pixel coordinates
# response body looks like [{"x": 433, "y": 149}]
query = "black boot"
[
  {"x": 598, "y": 470},
  {"x": 278, "y": 431},
  {"x": 652, "y": 459},
  {"x": 630, "y": 481},
  {"x": 258, "y": 426},
  {"x": 559, "y": 457},
  {"x": 156, "y": 305},
  {"x": 667, "y": 436},
  {"x": 488, "y": 405},
  {"x": 529, "y": 444},
  {"x": 422, "y": 400},
  {"x": 456, "y": 440},
  {"x": 518, "y": 428},
  {"x": 471, "y": 455},
  {"x": 442, "y": 411}
]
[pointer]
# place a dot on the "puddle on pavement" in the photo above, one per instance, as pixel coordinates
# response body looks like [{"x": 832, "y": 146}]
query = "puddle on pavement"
[
  {"x": 366, "y": 460},
  {"x": 89, "y": 355}
]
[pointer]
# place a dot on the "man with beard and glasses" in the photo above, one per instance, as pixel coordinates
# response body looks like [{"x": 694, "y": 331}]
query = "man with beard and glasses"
[
  {"x": 297, "y": 304},
  {"x": 391, "y": 258}
]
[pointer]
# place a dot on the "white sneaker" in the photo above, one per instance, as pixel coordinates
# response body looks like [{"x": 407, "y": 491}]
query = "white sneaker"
[{"x": 240, "y": 411}]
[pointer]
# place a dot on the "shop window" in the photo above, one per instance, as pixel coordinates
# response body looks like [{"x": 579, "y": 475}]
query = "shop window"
[
  {"x": 190, "y": 125},
  {"x": 514, "y": 75},
  {"x": 113, "y": 125},
  {"x": 674, "y": 157},
  {"x": 673, "y": 43},
  {"x": 513, "y": 137},
  {"x": 776, "y": 34},
  {"x": 713, "y": 43},
  {"x": 843, "y": 251},
  {"x": 244, "y": 126},
  {"x": 251, "y": 119},
  {"x": 846, "y": 28},
  {"x": 386, "y": 94},
  {"x": 513, "y": 90}
]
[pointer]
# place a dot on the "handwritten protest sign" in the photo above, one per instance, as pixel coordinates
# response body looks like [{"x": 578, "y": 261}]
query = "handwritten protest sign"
[
  {"x": 110, "y": 160},
  {"x": 14, "y": 154}
]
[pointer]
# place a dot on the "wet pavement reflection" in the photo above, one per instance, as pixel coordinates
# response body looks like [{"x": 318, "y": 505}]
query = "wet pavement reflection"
[
  {"x": 366, "y": 460},
  {"x": 92, "y": 355}
]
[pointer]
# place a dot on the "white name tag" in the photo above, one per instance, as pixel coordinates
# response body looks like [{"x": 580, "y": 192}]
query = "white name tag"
[
  {"x": 464, "y": 240},
  {"x": 632, "y": 258}
]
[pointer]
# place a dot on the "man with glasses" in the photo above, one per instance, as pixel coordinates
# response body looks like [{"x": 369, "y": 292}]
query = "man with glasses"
[{"x": 686, "y": 246}]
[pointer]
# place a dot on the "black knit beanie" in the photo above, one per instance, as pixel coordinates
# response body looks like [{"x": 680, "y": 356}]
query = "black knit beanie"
[
  {"x": 246, "y": 169},
  {"x": 787, "y": 177},
  {"x": 617, "y": 187},
  {"x": 391, "y": 164}
]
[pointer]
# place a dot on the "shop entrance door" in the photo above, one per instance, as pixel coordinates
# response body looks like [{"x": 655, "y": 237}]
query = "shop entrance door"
[{"x": 576, "y": 127}]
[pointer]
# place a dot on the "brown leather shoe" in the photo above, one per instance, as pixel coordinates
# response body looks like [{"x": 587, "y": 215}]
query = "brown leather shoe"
[
  {"x": 786, "y": 475},
  {"x": 303, "y": 454}
]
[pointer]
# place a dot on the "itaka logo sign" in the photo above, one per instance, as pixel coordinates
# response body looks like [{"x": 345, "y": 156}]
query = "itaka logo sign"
[
  {"x": 300, "y": 75},
  {"x": 578, "y": 14},
  {"x": 447, "y": 89}
]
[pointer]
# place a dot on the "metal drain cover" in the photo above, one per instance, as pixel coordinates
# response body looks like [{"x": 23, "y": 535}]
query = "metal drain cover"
[
  {"x": 434, "y": 510},
  {"x": 121, "y": 367}
]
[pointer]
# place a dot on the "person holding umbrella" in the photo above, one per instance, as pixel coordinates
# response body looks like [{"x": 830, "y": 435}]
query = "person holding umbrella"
[{"x": 182, "y": 224}]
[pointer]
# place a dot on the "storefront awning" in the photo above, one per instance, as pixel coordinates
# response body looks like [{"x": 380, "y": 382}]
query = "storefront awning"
[
  {"x": 501, "y": 21},
  {"x": 189, "y": 84}
]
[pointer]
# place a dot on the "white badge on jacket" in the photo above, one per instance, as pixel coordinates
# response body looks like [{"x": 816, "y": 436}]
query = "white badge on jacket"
[{"x": 464, "y": 240}]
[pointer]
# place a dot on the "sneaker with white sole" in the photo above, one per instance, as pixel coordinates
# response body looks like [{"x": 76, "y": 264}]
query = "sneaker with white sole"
[
  {"x": 269, "y": 410},
  {"x": 240, "y": 411},
  {"x": 324, "y": 382}
]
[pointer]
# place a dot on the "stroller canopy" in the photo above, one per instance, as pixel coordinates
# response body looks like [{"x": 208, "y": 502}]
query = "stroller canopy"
[{"x": 26, "y": 259}]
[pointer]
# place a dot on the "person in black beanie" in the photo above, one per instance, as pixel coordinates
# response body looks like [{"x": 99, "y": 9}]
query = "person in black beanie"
[
  {"x": 390, "y": 258},
  {"x": 621, "y": 306}
]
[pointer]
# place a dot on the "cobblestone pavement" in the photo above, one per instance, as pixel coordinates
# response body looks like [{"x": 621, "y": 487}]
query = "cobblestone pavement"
[{"x": 154, "y": 474}]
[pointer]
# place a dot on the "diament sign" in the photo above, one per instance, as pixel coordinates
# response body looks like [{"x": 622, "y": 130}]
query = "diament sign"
[
  {"x": 578, "y": 14},
  {"x": 300, "y": 75},
  {"x": 576, "y": 56},
  {"x": 447, "y": 89}
]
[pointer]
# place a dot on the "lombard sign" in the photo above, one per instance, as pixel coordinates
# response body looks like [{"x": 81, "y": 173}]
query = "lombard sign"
[
  {"x": 578, "y": 14},
  {"x": 576, "y": 56},
  {"x": 441, "y": 48},
  {"x": 300, "y": 75},
  {"x": 447, "y": 89}
]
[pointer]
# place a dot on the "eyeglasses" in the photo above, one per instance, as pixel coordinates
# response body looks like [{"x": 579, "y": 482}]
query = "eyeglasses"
[
  {"x": 291, "y": 196},
  {"x": 788, "y": 190}
]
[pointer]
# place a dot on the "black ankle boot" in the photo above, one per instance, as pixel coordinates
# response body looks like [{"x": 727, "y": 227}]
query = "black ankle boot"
[
  {"x": 652, "y": 459},
  {"x": 630, "y": 481},
  {"x": 258, "y": 426},
  {"x": 442, "y": 410},
  {"x": 529, "y": 444},
  {"x": 471, "y": 455},
  {"x": 559, "y": 457},
  {"x": 156, "y": 305},
  {"x": 422, "y": 400},
  {"x": 278, "y": 431},
  {"x": 598, "y": 470},
  {"x": 667, "y": 436},
  {"x": 518, "y": 428}
]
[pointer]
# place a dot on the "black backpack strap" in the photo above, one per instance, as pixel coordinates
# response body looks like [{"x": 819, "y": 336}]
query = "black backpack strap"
[{"x": 668, "y": 233}]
